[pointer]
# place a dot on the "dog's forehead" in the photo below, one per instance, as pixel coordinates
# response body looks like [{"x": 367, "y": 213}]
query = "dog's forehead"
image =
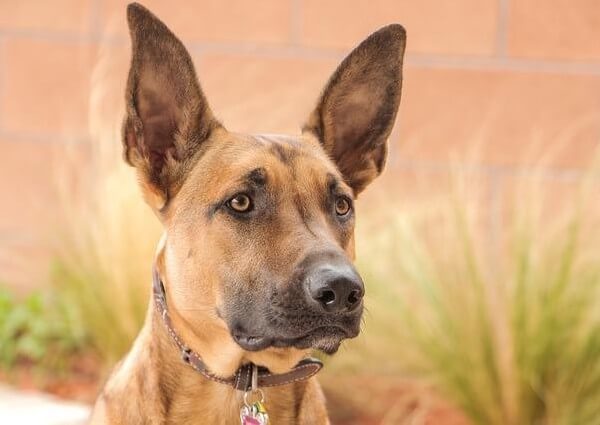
[
  {"x": 301, "y": 156},
  {"x": 286, "y": 147},
  {"x": 279, "y": 139},
  {"x": 288, "y": 161},
  {"x": 275, "y": 152}
]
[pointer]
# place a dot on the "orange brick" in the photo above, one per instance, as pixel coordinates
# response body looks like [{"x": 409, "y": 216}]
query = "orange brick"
[
  {"x": 433, "y": 26},
  {"x": 56, "y": 15},
  {"x": 211, "y": 20},
  {"x": 26, "y": 187},
  {"x": 24, "y": 265},
  {"x": 35, "y": 179},
  {"x": 46, "y": 87},
  {"x": 501, "y": 118},
  {"x": 559, "y": 29},
  {"x": 26, "y": 184},
  {"x": 256, "y": 94}
]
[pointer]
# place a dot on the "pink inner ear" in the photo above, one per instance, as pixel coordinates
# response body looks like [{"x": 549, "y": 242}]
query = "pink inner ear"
[
  {"x": 159, "y": 131},
  {"x": 158, "y": 112},
  {"x": 130, "y": 138},
  {"x": 352, "y": 116}
]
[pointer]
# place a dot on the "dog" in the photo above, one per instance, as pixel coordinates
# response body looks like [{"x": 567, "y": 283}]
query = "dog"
[{"x": 255, "y": 266}]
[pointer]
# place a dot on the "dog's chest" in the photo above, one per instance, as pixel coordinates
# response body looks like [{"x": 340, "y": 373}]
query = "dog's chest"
[{"x": 223, "y": 406}]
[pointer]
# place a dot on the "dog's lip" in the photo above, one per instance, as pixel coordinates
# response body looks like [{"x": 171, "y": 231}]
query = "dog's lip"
[
  {"x": 252, "y": 342},
  {"x": 333, "y": 335},
  {"x": 324, "y": 338}
]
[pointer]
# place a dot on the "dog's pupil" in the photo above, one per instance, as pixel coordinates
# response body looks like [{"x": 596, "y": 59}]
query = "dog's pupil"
[
  {"x": 342, "y": 206},
  {"x": 241, "y": 202}
]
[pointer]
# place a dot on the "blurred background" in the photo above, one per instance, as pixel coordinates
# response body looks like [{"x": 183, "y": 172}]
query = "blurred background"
[{"x": 479, "y": 244}]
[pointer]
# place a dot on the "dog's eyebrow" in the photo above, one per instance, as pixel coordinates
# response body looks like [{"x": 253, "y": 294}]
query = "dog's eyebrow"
[
  {"x": 283, "y": 153},
  {"x": 333, "y": 183},
  {"x": 337, "y": 186},
  {"x": 254, "y": 180},
  {"x": 256, "y": 177}
]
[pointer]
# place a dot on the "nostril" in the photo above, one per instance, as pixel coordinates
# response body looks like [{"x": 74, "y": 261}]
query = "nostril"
[
  {"x": 354, "y": 297},
  {"x": 326, "y": 297}
]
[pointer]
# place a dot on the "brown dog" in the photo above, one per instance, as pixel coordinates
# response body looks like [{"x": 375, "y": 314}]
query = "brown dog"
[{"x": 255, "y": 265}]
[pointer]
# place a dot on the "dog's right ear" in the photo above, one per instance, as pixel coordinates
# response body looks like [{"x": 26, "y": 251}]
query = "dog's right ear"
[
  {"x": 357, "y": 109},
  {"x": 167, "y": 118}
]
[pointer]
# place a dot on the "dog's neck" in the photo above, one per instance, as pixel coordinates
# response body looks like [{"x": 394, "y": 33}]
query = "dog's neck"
[{"x": 186, "y": 396}]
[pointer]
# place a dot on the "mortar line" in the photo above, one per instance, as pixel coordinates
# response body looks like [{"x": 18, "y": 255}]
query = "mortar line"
[
  {"x": 423, "y": 60},
  {"x": 549, "y": 173},
  {"x": 503, "y": 64},
  {"x": 62, "y": 37},
  {"x": 472, "y": 63},
  {"x": 42, "y": 138},
  {"x": 16, "y": 237}
]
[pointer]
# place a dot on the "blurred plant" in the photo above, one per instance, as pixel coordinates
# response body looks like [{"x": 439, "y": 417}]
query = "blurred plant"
[
  {"x": 503, "y": 319},
  {"x": 104, "y": 244},
  {"x": 103, "y": 257},
  {"x": 31, "y": 330}
]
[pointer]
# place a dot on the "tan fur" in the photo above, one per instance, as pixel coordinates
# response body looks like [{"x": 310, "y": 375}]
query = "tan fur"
[{"x": 188, "y": 163}]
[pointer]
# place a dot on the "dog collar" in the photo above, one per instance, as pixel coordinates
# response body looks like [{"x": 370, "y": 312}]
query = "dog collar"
[{"x": 249, "y": 376}]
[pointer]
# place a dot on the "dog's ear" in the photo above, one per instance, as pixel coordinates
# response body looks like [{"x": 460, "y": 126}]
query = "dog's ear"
[
  {"x": 167, "y": 117},
  {"x": 357, "y": 109}
]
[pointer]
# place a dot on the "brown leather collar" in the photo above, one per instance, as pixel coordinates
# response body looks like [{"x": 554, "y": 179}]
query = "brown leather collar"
[{"x": 242, "y": 380}]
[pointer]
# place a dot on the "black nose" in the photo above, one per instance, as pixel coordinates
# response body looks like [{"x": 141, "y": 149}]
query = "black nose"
[{"x": 335, "y": 288}]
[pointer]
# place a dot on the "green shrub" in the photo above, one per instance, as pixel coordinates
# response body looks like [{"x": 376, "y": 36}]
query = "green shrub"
[{"x": 32, "y": 330}]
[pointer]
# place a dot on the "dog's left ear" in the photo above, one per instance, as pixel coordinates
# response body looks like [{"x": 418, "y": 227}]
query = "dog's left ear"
[
  {"x": 168, "y": 118},
  {"x": 357, "y": 109}
]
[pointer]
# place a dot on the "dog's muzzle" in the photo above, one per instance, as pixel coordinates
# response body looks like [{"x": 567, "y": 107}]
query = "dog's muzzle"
[{"x": 320, "y": 308}]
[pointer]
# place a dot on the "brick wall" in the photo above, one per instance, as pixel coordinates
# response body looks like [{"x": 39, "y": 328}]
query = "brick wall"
[{"x": 509, "y": 76}]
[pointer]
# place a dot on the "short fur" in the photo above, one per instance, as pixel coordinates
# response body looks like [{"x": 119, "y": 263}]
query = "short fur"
[{"x": 228, "y": 273}]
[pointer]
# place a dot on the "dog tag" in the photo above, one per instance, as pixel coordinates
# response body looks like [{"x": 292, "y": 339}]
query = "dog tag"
[{"x": 255, "y": 414}]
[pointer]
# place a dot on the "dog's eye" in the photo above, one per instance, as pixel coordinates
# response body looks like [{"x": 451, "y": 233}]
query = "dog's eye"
[
  {"x": 342, "y": 206},
  {"x": 240, "y": 203}
]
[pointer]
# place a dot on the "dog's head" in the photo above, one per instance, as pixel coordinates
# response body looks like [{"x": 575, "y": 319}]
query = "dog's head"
[{"x": 258, "y": 246}]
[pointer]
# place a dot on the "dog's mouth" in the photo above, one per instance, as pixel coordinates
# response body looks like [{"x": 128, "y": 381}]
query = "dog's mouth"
[{"x": 325, "y": 338}]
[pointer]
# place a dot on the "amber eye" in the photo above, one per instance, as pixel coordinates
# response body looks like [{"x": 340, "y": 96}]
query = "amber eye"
[
  {"x": 240, "y": 203},
  {"x": 342, "y": 206}
]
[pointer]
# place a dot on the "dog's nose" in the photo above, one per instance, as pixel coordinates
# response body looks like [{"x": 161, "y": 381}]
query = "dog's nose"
[
  {"x": 338, "y": 294},
  {"x": 335, "y": 288}
]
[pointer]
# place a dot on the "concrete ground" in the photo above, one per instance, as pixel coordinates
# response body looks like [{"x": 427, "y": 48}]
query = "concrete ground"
[{"x": 32, "y": 408}]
